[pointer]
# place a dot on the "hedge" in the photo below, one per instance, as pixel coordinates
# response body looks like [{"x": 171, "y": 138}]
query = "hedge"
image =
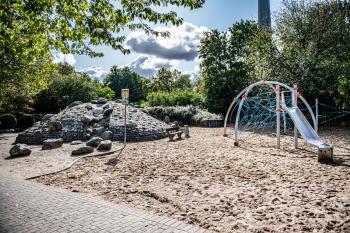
[
  {"x": 8, "y": 121},
  {"x": 184, "y": 114}
]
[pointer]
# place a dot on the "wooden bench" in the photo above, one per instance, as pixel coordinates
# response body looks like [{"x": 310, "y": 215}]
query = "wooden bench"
[{"x": 174, "y": 131}]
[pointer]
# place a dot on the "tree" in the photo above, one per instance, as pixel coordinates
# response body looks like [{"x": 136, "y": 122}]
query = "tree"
[
  {"x": 68, "y": 86},
  {"x": 73, "y": 26},
  {"x": 20, "y": 83},
  {"x": 261, "y": 53},
  {"x": 168, "y": 81},
  {"x": 314, "y": 49},
  {"x": 222, "y": 63},
  {"x": 162, "y": 81},
  {"x": 121, "y": 78},
  {"x": 182, "y": 81},
  {"x": 199, "y": 83},
  {"x": 30, "y": 30}
]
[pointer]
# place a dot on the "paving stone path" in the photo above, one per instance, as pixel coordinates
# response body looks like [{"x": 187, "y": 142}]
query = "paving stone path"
[{"x": 27, "y": 207}]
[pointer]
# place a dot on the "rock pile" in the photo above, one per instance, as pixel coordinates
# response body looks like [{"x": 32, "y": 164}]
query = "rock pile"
[{"x": 83, "y": 121}]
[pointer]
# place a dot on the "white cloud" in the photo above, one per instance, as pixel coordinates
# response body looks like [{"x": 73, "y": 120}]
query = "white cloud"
[
  {"x": 148, "y": 65},
  {"x": 181, "y": 45},
  {"x": 61, "y": 58},
  {"x": 95, "y": 72}
]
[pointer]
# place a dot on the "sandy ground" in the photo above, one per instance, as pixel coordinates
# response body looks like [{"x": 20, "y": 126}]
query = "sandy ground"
[
  {"x": 207, "y": 181},
  {"x": 39, "y": 161}
]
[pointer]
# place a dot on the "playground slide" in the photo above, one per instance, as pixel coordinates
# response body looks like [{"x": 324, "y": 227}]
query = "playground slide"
[{"x": 304, "y": 127}]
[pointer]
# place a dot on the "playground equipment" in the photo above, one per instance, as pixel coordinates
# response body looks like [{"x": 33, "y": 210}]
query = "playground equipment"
[{"x": 267, "y": 113}]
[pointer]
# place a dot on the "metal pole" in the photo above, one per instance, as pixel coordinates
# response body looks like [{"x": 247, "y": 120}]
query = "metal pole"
[
  {"x": 284, "y": 123},
  {"x": 284, "y": 114},
  {"x": 278, "y": 116},
  {"x": 295, "y": 105},
  {"x": 316, "y": 105},
  {"x": 125, "y": 105},
  {"x": 125, "y": 101}
]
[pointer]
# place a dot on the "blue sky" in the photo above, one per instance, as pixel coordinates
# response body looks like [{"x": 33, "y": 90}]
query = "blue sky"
[{"x": 177, "y": 52}]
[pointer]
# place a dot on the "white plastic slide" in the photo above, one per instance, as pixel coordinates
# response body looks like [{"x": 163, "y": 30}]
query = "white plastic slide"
[{"x": 305, "y": 129}]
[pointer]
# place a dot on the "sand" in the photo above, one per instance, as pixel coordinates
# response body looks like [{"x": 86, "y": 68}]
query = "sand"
[
  {"x": 40, "y": 161},
  {"x": 207, "y": 181}
]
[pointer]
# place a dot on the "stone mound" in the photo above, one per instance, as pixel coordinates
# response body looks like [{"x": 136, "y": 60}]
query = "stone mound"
[{"x": 84, "y": 121}]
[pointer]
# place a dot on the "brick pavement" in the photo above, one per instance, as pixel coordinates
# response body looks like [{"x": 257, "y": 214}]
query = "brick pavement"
[{"x": 28, "y": 207}]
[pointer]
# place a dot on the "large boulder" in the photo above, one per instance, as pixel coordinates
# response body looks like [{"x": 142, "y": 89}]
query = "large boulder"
[
  {"x": 87, "y": 119},
  {"x": 106, "y": 106},
  {"x": 99, "y": 130},
  {"x": 55, "y": 125},
  {"x": 75, "y": 103},
  {"x": 102, "y": 100},
  {"x": 107, "y": 112},
  {"x": 105, "y": 145},
  {"x": 94, "y": 142},
  {"x": 19, "y": 150},
  {"x": 83, "y": 150},
  {"x": 97, "y": 111},
  {"x": 88, "y": 107},
  {"x": 107, "y": 135},
  {"x": 96, "y": 119},
  {"x": 49, "y": 144}
]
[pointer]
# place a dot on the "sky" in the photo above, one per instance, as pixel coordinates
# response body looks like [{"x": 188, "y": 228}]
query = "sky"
[{"x": 179, "y": 51}]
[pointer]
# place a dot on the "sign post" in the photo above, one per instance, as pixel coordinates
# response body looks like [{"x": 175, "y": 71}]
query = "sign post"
[
  {"x": 125, "y": 96},
  {"x": 125, "y": 101}
]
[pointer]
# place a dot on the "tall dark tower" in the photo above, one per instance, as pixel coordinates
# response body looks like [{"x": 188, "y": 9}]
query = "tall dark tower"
[{"x": 264, "y": 13}]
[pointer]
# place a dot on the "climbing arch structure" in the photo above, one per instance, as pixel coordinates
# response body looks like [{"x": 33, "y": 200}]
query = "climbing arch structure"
[{"x": 272, "y": 110}]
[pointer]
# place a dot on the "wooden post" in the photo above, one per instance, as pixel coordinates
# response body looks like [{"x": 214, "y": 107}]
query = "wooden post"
[
  {"x": 325, "y": 154},
  {"x": 186, "y": 131}
]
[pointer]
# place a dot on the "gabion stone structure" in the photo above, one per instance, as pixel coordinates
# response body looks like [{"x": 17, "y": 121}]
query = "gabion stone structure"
[{"x": 85, "y": 120}]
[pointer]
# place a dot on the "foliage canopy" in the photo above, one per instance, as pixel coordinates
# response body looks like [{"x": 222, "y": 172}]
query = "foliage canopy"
[
  {"x": 222, "y": 63},
  {"x": 124, "y": 77},
  {"x": 67, "y": 87}
]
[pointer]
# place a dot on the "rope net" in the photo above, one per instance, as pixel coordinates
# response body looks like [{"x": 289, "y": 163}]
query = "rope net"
[{"x": 258, "y": 113}]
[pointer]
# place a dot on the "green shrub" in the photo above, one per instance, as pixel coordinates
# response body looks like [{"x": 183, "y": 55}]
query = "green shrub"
[
  {"x": 25, "y": 121},
  {"x": 182, "y": 114},
  {"x": 177, "y": 98},
  {"x": 8, "y": 121},
  {"x": 202, "y": 114},
  {"x": 66, "y": 89}
]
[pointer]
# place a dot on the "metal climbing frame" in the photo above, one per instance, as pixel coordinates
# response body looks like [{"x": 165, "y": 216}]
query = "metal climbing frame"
[{"x": 276, "y": 87}]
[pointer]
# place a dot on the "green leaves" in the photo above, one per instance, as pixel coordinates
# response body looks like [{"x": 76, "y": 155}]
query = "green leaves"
[
  {"x": 72, "y": 26},
  {"x": 222, "y": 63},
  {"x": 121, "y": 78},
  {"x": 175, "y": 98},
  {"x": 314, "y": 48},
  {"x": 76, "y": 86},
  {"x": 31, "y": 29},
  {"x": 168, "y": 81}
]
